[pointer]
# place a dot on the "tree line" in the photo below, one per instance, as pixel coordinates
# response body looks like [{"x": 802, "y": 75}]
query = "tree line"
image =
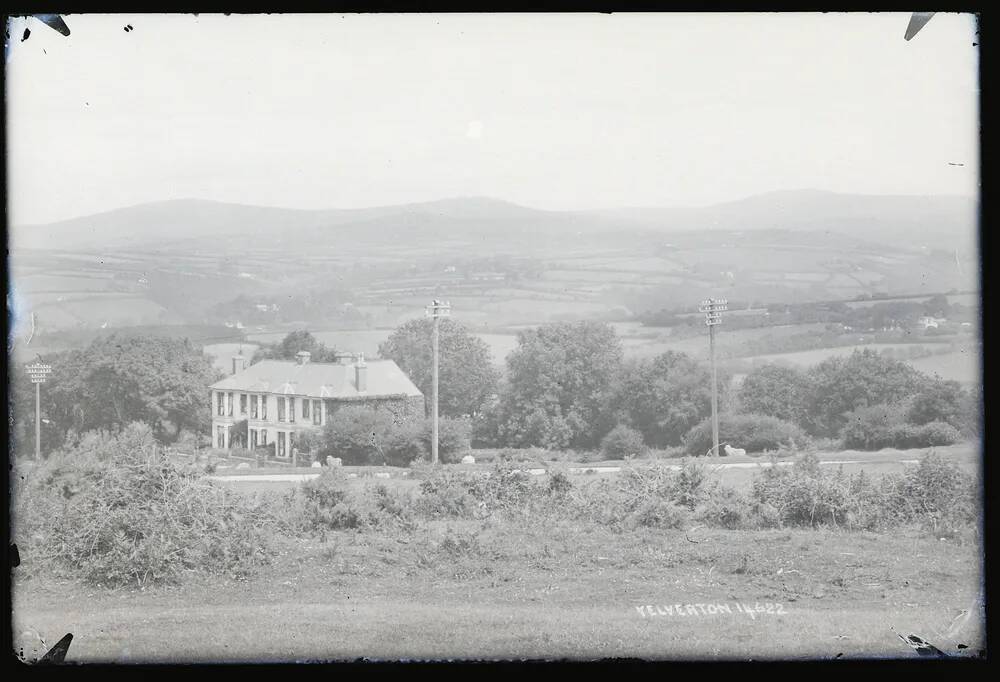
[{"x": 567, "y": 385}]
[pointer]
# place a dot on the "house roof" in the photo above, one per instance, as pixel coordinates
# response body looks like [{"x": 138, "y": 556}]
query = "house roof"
[{"x": 320, "y": 380}]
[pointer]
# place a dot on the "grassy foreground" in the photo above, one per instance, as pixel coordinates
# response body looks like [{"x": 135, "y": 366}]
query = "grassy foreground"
[{"x": 479, "y": 589}]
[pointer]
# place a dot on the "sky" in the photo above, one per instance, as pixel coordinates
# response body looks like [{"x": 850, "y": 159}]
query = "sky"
[{"x": 552, "y": 111}]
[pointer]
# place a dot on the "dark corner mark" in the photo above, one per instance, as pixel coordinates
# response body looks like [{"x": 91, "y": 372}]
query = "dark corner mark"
[
  {"x": 27, "y": 34},
  {"x": 15, "y": 556},
  {"x": 57, "y": 654},
  {"x": 54, "y": 21}
]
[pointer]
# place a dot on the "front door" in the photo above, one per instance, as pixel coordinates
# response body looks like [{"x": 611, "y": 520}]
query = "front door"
[{"x": 281, "y": 444}]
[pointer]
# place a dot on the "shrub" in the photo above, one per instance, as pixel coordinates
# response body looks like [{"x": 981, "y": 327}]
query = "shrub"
[
  {"x": 935, "y": 433},
  {"x": 446, "y": 493},
  {"x": 115, "y": 511},
  {"x": 365, "y": 435},
  {"x": 402, "y": 444},
  {"x": 453, "y": 438},
  {"x": 559, "y": 483},
  {"x": 504, "y": 490},
  {"x": 307, "y": 442},
  {"x": 751, "y": 432},
  {"x": 939, "y": 494},
  {"x": 326, "y": 502},
  {"x": 657, "y": 513},
  {"x": 725, "y": 507},
  {"x": 883, "y": 426},
  {"x": 621, "y": 442},
  {"x": 874, "y": 427}
]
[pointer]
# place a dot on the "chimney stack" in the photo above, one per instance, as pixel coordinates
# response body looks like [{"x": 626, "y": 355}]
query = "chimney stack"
[
  {"x": 361, "y": 374},
  {"x": 302, "y": 357},
  {"x": 239, "y": 363}
]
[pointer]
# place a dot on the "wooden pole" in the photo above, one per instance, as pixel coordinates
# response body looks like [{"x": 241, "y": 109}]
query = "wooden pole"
[
  {"x": 715, "y": 392},
  {"x": 434, "y": 390},
  {"x": 38, "y": 421}
]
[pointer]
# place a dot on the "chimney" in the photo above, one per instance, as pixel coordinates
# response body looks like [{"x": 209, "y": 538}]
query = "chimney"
[
  {"x": 361, "y": 374},
  {"x": 302, "y": 357},
  {"x": 239, "y": 363}
]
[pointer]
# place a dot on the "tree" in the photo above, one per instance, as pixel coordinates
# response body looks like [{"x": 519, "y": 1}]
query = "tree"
[
  {"x": 162, "y": 382},
  {"x": 776, "y": 391},
  {"x": 621, "y": 442},
  {"x": 558, "y": 381},
  {"x": 360, "y": 434},
  {"x": 292, "y": 344},
  {"x": 839, "y": 385},
  {"x": 943, "y": 401},
  {"x": 466, "y": 375},
  {"x": 663, "y": 397}
]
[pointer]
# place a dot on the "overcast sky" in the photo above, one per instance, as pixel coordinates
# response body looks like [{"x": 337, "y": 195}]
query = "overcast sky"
[{"x": 550, "y": 111}]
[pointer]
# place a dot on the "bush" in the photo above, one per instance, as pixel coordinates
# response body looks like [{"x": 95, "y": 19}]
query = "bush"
[
  {"x": 622, "y": 441},
  {"x": 115, "y": 511},
  {"x": 453, "y": 438},
  {"x": 751, "y": 432},
  {"x": 936, "y": 494},
  {"x": 402, "y": 444},
  {"x": 935, "y": 433},
  {"x": 446, "y": 493},
  {"x": 884, "y": 426},
  {"x": 657, "y": 513},
  {"x": 364, "y": 435},
  {"x": 326, "y": 502},
  {"x": 873, "y": 428},
  {"x": 725, "y": 507}
]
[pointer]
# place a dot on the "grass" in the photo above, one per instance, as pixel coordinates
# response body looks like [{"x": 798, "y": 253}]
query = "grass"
[
  {"x": 889, "y": 460},
  {"x": 539, "y": 592}
]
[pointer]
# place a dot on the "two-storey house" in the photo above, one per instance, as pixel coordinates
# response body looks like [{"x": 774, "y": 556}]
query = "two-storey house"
[{"x": 281, "y": 399}]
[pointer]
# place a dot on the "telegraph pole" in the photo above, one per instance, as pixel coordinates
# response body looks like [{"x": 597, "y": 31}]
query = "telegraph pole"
[
  {"x": 713, "y": 309},
  {"x": 436, "y": 310},
  {"x": 38, "y": 373}
]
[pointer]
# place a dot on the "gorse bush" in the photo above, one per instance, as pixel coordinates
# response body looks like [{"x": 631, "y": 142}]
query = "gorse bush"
[
  {"x": 935, "y": 494},
  {"x": 115, "y": 511},
  {"x": 751, "y": 432}
]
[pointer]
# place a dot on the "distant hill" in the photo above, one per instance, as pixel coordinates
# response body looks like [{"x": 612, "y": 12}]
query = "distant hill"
[{"x": 945, "y": 222}]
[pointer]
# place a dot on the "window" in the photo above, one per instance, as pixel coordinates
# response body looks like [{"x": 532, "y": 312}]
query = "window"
[
  {"x": 281, "y": 409},
  {"x": 253, "y": 438},
  {"x": 317, "y": 412},
  {"x": 253, "y": 407},
  {"x": 263, "y": 436},
  {"x": 281, "y": 443},
  {"x": 291, "y": 409},
  {"x": 305, "y": 408},
  {"x": 243, "y": 403},
  {"x": 263, "y": 407},
  {"x": 222, "y": 404},
  {"x": 229, "y": 402},
  {"x": 220, "y": 436}
]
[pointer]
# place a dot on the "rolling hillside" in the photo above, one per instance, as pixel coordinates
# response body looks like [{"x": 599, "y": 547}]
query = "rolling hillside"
[{"x": 184, "y": 261}]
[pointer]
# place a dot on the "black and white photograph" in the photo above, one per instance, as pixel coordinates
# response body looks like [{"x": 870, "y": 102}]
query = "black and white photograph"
[{"x": 497, "y": 336}]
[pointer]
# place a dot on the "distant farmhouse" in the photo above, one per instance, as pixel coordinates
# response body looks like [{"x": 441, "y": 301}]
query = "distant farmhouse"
[{"x": 281, "y": 399}]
